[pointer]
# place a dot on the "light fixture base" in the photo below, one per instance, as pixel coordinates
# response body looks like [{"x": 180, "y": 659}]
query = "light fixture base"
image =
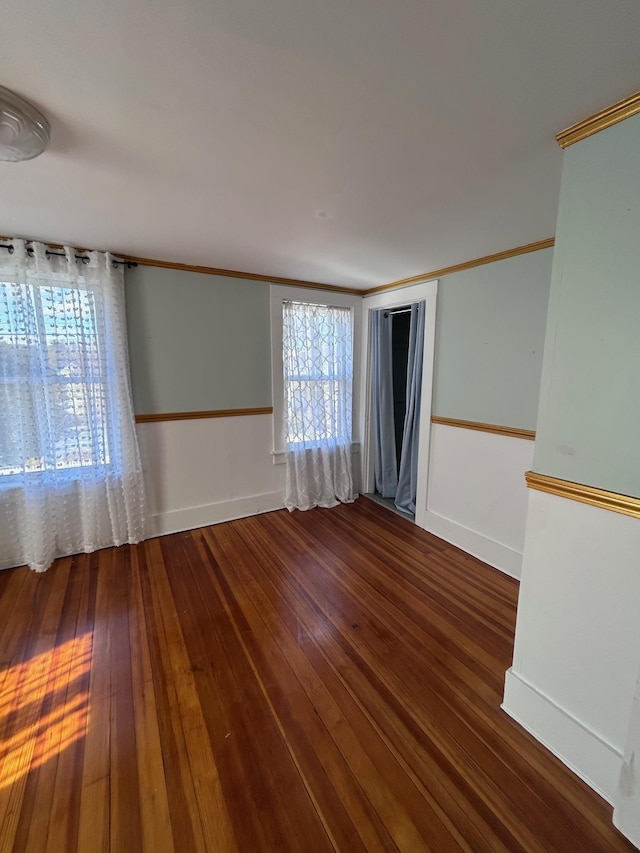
[{"x": 24, "y": 131}]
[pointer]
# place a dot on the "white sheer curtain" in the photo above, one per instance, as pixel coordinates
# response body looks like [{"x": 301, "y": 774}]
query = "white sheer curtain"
[
  {"x": 318, "y": 387},
  {"x": 70, "y": 473}
]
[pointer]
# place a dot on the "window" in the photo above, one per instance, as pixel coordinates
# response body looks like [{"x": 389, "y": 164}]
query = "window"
[
  {"x": 70, "y": 472},
  {"x": 318, "y": 374},
  {"x": 52, "y": 377}
]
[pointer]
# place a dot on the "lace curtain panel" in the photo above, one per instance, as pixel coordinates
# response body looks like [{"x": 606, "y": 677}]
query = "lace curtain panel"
[
  {"x": 70, "y": 472},
  {"x": 318, "y": 385}
]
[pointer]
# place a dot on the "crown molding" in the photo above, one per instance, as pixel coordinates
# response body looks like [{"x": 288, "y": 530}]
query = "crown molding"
[
  {"x": 595, "y": 123},
  {"x": 209, "y": 413},
  {"x": 315, "y": 285},
  {"x": 585, "y": 494},
  {"x": 174, "y": 265},
  {"x": 497, "y": 429},
  {"x": 270, "y": 279},
  {"x": 467, "y": 265}
]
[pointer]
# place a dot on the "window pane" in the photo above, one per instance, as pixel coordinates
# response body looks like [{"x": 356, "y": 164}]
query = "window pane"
[
  {"x": 17, "y": 449},
  {"x": 51, "y": 378},
  {"x": 318, "y": 372}
]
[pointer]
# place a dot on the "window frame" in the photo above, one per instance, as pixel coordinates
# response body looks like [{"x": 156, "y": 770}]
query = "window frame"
[
  {"x": 72, "y": 471},
  {"x": 284, "y": 293},
  {"x": 312, "y": 381}
]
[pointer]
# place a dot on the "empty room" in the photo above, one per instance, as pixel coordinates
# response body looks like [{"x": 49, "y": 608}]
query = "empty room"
[{"x": 319, "y": 418}]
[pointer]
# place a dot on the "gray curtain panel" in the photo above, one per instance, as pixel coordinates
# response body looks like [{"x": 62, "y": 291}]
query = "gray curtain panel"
[
  {"x": 383, "y": 428},
  {"x": 408, "y": 475}
]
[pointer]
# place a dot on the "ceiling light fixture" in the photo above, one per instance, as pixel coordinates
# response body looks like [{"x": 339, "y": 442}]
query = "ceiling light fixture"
[{"x": 24, "y": 132}]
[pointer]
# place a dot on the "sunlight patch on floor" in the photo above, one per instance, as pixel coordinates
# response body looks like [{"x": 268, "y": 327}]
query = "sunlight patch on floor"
[{"x": 43, "y": 707}]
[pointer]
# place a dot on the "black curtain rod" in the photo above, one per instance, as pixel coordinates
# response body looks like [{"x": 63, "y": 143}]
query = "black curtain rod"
[{"x": 9, "y": 247}]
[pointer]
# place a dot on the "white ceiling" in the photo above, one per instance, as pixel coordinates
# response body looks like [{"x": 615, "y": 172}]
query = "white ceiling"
[{"x": 351, "y": 142}]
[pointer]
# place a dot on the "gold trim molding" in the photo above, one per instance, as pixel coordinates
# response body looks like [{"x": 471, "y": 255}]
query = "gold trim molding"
[
  {"x": 210, "y": 413},
  {"x": 251, "y": 276},
  {"x": 605, "y": 118},
  {"x": 513, "y": 432},
  {"x": 316, "y": 285},
  {"x": 467, "y": 265},
  {"x": 174, "y": 265},
  {"x": 585, "y": 494}
]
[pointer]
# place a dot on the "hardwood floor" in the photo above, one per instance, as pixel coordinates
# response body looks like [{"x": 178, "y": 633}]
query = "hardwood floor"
[{"x": 327, "y": 680}]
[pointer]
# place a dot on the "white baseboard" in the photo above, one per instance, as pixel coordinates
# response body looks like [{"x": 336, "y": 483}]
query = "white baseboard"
[
  {"x": 590, "y": 757},
  {"x": 189, "y": 518},
  {"x": 494, "y": 553}
]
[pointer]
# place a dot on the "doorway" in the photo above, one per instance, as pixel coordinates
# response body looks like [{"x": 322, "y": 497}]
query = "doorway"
[
  {"x": 398, "y": 306},
  {"x": 400, "y": 323},
  {"x": 396, "y": 341}
]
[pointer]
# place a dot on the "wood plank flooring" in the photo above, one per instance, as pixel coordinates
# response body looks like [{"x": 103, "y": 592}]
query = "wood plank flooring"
[{"x": 317, "y": 681}]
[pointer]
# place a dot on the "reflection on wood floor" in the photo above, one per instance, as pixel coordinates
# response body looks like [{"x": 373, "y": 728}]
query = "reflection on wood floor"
[{"x": 327, "y": 680}]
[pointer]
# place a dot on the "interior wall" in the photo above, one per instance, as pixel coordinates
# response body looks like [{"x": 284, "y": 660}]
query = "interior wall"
[
  {"x": 200, "y": 342},
  {"x": 577, "y": 649},
  {"x": 489, "y": 341},
  {"x": 207, "y": 470},
  {"x": 589, "y": 418},
  {"x": 196, "y": 341},
  {"x": 490, "y": 336},
  {"x": 477, "y": 498}
]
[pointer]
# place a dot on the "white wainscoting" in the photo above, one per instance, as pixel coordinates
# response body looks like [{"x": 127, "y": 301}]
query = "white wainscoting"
[
  {"x": 208, "y": 470},
  {"x": 577, "y": 647},
  {"x": 477, "y": 495}
]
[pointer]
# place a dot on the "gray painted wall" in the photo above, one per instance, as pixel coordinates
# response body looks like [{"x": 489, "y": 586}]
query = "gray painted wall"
[
  {"x": 589, "y": 418},
  {"x": 197, "y": 341},
  {"x": 489, "y": 341}
]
